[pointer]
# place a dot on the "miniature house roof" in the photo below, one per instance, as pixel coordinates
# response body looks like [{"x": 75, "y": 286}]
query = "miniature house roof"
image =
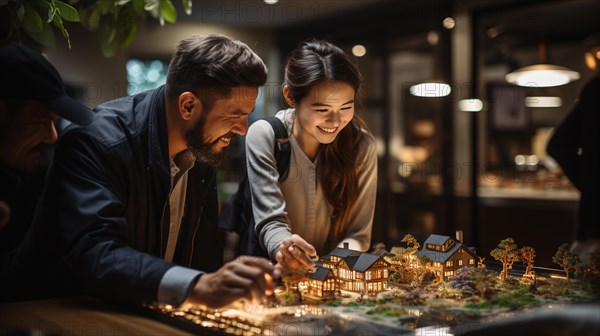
[
  {"x": 437, "y": 239},
  {"x": 355, "y": 260},
  {"x": 439, "y": 256},
  {"x": 363, "y": 262},
  {"x": 341, "y": 252},
  {"x": 321, "y": 273},
  {"x": 381, "y": 252}
]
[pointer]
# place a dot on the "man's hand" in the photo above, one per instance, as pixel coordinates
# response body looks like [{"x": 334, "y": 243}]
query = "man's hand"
[
  {"x": 295, "y": 253},
  {"x": 249, "y": 278}
]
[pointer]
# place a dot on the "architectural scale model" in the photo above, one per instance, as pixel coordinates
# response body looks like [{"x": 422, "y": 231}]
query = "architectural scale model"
[
  {"x": 448, "y": 255},
  {"x": 442, "y": 284},
  {"x": 344, "y": 269}
]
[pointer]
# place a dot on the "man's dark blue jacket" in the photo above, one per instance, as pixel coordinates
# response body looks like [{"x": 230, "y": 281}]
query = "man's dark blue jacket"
[{"x": 101, "y": 226}]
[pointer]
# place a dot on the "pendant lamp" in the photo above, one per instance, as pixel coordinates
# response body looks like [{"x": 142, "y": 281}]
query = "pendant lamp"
[{"x": 543, "y": 74}]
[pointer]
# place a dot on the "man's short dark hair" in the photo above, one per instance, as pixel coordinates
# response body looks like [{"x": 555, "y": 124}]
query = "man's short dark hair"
[{"x": 210, "y": 66}]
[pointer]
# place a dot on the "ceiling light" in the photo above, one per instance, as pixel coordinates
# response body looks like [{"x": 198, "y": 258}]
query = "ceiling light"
[
  {"x": 430, "y": 89},
  {"x": 359, "y": 50},
  {"x": 448, "y": 23},
  {"x": 271, "y": 2},
  {"x": 470, "y": 105},
  {"x": 590, "y": 60},
  {"x": 543, "y": 101},
  {"x": 542, "y": 75},
  {"x": 433, "y": 38}
]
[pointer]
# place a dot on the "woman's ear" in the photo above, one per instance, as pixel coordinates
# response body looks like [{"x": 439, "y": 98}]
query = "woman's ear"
[
  {"x": 189, "y": 105},
  {"x": 288, "y": 96}
]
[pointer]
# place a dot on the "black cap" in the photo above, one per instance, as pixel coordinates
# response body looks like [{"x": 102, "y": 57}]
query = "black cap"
[{"x": 25, "y": 74}]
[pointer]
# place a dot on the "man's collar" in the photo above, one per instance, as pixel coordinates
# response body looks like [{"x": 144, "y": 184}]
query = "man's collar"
[{"x": 158, "y": 143}]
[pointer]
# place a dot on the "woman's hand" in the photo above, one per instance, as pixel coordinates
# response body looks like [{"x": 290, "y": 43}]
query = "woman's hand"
[{"x": 295, "y": 253}]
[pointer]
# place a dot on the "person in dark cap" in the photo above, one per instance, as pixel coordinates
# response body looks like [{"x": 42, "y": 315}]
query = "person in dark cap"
[
  {"x": 575, "y": 147},
  {"x": 32, "y": 97}
]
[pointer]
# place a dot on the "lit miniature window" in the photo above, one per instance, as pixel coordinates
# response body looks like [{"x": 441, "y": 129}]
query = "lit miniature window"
[
  {"x": 460, "y": 263},
  {"x": 143, "y": 75},
  {"x": 471, "y": 261}
]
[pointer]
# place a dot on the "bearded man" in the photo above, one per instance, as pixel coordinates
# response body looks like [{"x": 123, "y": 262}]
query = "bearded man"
[{"x": 130, "y": 210}]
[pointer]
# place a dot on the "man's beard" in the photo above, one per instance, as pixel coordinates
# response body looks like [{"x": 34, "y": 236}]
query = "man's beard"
[{"x": 205, "y": 152}]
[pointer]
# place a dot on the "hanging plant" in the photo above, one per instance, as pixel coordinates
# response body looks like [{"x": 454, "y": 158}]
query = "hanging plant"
[{"x": 114, "y": 21}]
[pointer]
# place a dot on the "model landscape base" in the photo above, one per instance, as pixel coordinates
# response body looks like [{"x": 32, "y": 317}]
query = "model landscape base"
[{"x": 382, "y": 293}]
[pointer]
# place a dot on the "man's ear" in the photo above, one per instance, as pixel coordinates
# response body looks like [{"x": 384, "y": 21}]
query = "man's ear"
[
  {"x": 189, "y": 106},
  {"x": 288, "y": 96}
]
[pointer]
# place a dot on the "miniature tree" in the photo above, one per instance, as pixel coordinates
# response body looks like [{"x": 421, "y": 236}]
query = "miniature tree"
[
  {"x": 379, "y": 246},
  {"x": 590, "y": 273},
  {"x": 507, "y": 254},
  {"x": 291, "y": 278},
  {"x": 565, "y": 259},
  {"x": 412, "y": 245},
  {"x": 483, "y": 280},
  {"x": 527, "y": 255},
  {"x": 404, "y": 258},
  {"x": 421, "y": 269},
  {"x": 480, "y": 261}
]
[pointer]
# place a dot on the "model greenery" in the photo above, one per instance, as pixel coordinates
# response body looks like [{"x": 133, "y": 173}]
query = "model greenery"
[
  {"x": 527, "y": 256},
  {"x": 565, "y": 259},
  {"x": 291, "y": 278},
  {"x": 408, "y": 266},
  {"x": 507, "y": 254}
]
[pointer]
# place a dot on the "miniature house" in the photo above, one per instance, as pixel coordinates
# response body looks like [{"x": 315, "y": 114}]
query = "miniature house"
[
  {"x": 322, "y": 283},
  {"x": 448, "y": 255},
  {"x": 349, "y": 270}
]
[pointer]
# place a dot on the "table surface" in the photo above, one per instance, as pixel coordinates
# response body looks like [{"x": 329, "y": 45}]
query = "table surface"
[
  {"x": 90, "y": 316},
  {"x": 78, "y": 316}
]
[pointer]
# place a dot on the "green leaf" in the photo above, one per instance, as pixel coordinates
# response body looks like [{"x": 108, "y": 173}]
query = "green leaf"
[
  {"x": 138, "y": 5},
  {"x": 67, "y": 11},
  {"x": 128, "y": 37},
  {"x": 104, "y": 6},
  {"x": 187, "y": 6},
  {"x": 126, "y": 27},
  {"x": 90, "y": 18},
  {"x": 122, "y": 2},
  {"x": 21, "y": 13},
  {"x": 52, "y": 10},
  {"x": 58, "y": 22},
  {"x": 106, "y": 36},
  {"x": 45, "y": 37},
  {"x": 151, "y": 5},
  {"x": 32, "y": 21},
  {"x": 168, "y": 11}
]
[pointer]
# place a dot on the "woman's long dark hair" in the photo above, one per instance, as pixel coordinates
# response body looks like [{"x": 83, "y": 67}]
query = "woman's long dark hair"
[{"x": 312, "y": 62}]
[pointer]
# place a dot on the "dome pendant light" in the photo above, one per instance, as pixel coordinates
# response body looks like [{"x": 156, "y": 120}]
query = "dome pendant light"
[{"x": 543, "y": 74}]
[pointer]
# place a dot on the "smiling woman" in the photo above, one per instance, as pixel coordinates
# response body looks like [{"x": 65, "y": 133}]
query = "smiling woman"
[{"x": 328, "y": 197}]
